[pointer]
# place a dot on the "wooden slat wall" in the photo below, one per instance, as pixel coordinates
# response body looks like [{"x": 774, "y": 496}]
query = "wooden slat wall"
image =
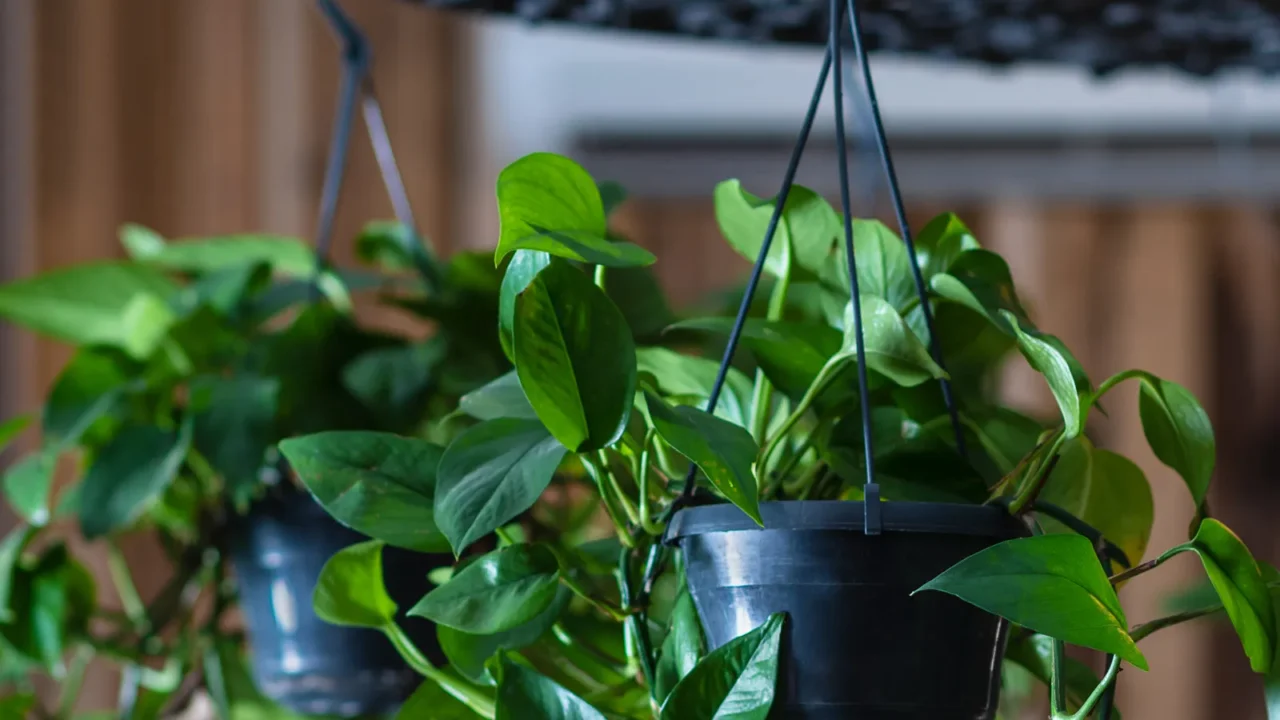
[{"x": 198, "y": 117}]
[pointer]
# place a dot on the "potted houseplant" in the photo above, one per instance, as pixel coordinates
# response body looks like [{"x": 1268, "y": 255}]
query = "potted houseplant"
[
  {"x": 194, "y": 358},
  {"x": 796, "y": 591}
]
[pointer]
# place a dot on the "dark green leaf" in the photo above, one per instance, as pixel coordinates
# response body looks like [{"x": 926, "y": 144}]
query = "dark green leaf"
[
  {"x": 683, "y": 647},
  {"x": 468, "y": 653},
  {"x": 735, "y": 682},
  {"x": 525, "y": 694},
  {"x": 234, "y": 427},
  {"x": 286, "y": 255},
  {"x": 393, "y": 381},
  {"x": 940, "y": 243},
  {"x": 723, "y": 451},
  {"x": 1051, "y": 584},
  {"x": 500, "y": 591},
  {"x": 49, "y": 601},
  {"x": 1045, "y": 359},
  {"x": 1240, "y": 585},
  {"x": 88, "y": 388},
  {"x": 83, "y": 304},
  {"x": 1107, "y": 491},
  {"x": 612, "y": 195},
  {"x": 980, "y": 280},
  {"x": 128, "y": 474},
  {"x": 17, "y": 706},
  {"x": 523, "y": 268},
  {"x": 431, "y": 701},
  {"x": 639, "y": 296},
  {"x": 492, "y": 473},
  {"x": 585, "y": 247},
  {"x": 378, "y": 484},
  {"x": 543, "y": 191},
  {"x": 501, "y": 398},
  {"x": 790, "y": 354},
  {"x": 892, "y": 348},
  {"x": 350, "y": 589},
  {"x": 10, "y": 554},
  {"x": 1179, "y": 432},
  {"x": 575, "y": 358},
  {"x": 1035, "y": 653},
  {"x": 12, "y": 428},
  {"x": 27, "y": 485},
  {"x": 227, "y": 292},
  {"x": 395, "y": 246},
  {"x": 687, "y": 376}
]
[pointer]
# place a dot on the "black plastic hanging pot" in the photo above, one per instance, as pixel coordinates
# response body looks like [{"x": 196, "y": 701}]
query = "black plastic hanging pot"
[
  {"x": 856, "y": 643},
  {"x": 300, "y": 661}
]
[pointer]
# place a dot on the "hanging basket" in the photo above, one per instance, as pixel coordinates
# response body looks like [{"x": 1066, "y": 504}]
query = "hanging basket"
[
  {"x": 1197, "y": 36},
  {"x": 300, "y": 661}
]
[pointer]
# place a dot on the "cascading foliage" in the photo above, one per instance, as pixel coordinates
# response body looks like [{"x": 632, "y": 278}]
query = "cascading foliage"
[{"x": 555, "y": 498}]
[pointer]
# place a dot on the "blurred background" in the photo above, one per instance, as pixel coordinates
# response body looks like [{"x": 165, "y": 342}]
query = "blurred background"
[{"x": 1137, "y": 211}]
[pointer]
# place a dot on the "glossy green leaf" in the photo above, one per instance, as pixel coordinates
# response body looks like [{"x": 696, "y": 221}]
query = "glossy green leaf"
[
  {"x": 1238, "y": 580},
  {"x": 687, "y": 376},
  {"x": 884, "y": 267},
  {"x": 431, "y": 701},
  {"x": 543, "y": 191},
  {"x": 892, "y": 349},
  {"x": 1034, "y": 652},
  {"x": 735, "y": 682},
  {"x": 980, "y": 280},
  {"x": 498, "y": 592},
  {"x": 128, "y": 474},
  {"x": 523, "y": 268},
  {"x": 287, "y": 255},
  {"x": 575, "y": 358},
  {"x": 1051, "y": 584},
  {"x": 683, "y": 647},
  {"x": 940, "y": 242},
  {"x": 27, "y": 485},
  {"x": 378, "y": 484},
  {"x": 809, "y": 227},
  {"x": 724, "y": 452},
  {"x": 11, "y": 548},
  {"x": 1107, "y": 491},
  {"x": 468, "y": 653},
  {"x": 350, "y": 590},
  {"x": 90, "y": 387},
  {"x": 492, "y": 473},
  {"x": 82, "y": 304},
  {"x": 526, "y": 694},
  {"x": 1179, "y": 432},
  {"x": 790, "y": 354},
  {"x": 501, "y": 398},
  {"x": 585, "y": 247},
  {"x": 1045, "y": 359},
  {"x": 235, "y": 425}
]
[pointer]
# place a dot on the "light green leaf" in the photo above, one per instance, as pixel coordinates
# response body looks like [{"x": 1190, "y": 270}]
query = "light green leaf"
[
  {"x": 683, "y": 647},
  {"x": 147, "y": 320},
  {"x": 17, "y": 706},
  {"x": 501, "y": 398},
  {"x": 27, "y": 485},
  {"x": 526, "y": 694},
  {"x": 497, "y": 592},
  {"x": 1107, "y": 491},
  {"x": 724, "y": 452},
  {"x": 809, "y": 228},
  {"x": 523, "y": 268},
  {"x": 235, "y": 424},
  {"x": 790, "y": 354},
  {"x": 1179, "y": 432},
  {"x": 1045, "y": 359},
  {"x": 128, "y": 474},
  {"x": 82, "y": 304},
  {"x": 378, "y": 484},
  {"x": 1051, "y": 584},
  {"x": 884, "y": 267},
  {"x": 585, "y": 247},
  {"x": 490, "y": 474},
  {"x": 468, "y": 653},
  {"x": 543, "y": 191},
  {"x": 892, "y": 349},
  {"x": 431, "y": 701},
  {"x": 687, "y": 376},
  {"x": 350, "y": 589},
  {"x": 575, "y": 358},
  {"x": 737, "y": 681},
  {"x": 286, "y": 255},
  {"x": 1238, "y": 580}
]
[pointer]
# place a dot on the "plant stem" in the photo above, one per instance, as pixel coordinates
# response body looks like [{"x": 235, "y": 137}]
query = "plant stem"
[
  {"x": 1115, "y": 380},
  {"x": 642, "y": 479},
  {"x": 1092, "y": 701},
  {"x": 1151, "y": 626},
  {"x": 780, "y": 475},
  {"x": 1137, "y": 570},
  {"x": 1024, "y": 499},
  {"x": 820, "y": 383},
  {"x": 74, "y": 679},
  {"x": 628, "y": 507},
  {"x": 610, "y": 502},
  {"x": 460, "y": 689},
  {"x": 762, "y": 398},
  {"x": 134, "y": 608},
  {"x": 615, "y": 613},
  {"x": 1058, "y": 679},
  {"x": 599, "y": 276}
]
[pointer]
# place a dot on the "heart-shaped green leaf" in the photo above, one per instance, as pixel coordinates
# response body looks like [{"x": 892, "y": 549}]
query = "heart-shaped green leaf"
[
  {"x": 687, "y": 376},
  {"x": 27, "y": 485},
  {"x": 500, "y": 591},
  {"x": 980, "y": 280},
  {"x": 490, "y": 474},
  {"x": 892, "y": 348},
  {"x": 790, "y": 354},
  {"x": 1034, "y": 652},
  {"x": 468, "y": 653},
  {"x": 1051, "y": 584},
  {"x": 235, "y": 424},
  {"x": 575, "y": 358},
  {"x": 526, "y": 694},
  {"x": 501, "y": 398},
  {"x": 378, "y": 484},
  {"x": 884, "y": 267},
  {"x": 585, "y": 247},
  {"x": 1045, "y": 359},
  {"x": 544, "y": 191},
  {"x": 808, "y": 228},
  {"x": 87, "y": 390},
  {"x": 735, "y": 682},
  {"x": 128, "y": 474},
  {"x": 350, "y": 590},
  {"x": 683, "y": 647},
  {"x": 523, "y": 268},
  {"x": 392, "y": 381},
  {"x": 1238, "y": 580},
  {"x": 1179, "y": 432},
  {"x": 286, "y": 255},
  {"x": 1107, "y": 491},
  {"x": 940, "y": 243},
  {"x": 724, "y": 452}
]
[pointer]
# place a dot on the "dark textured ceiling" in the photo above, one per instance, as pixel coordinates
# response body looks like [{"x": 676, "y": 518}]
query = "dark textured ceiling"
[{"x": 1200, "y": 37}]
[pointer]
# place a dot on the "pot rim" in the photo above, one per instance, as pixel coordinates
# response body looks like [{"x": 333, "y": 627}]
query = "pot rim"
[{"x": 898, "y": 516}]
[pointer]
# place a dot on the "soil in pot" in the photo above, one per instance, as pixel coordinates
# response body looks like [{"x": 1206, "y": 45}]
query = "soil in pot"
[
  {"x": 856, "y": 643},
  {"x": 299, "y": 661}
]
